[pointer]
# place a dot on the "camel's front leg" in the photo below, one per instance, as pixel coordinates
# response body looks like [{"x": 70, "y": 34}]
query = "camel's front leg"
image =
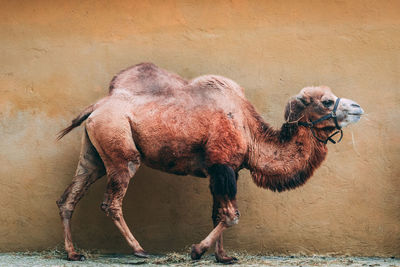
[
  {"x": 220, "y": 253},
  {"x": 199, "y": 249},
  {"x": 225, "y": 213}
]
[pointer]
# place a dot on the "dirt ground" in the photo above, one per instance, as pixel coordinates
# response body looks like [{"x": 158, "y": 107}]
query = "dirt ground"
[{"x": 57, "y": 258}]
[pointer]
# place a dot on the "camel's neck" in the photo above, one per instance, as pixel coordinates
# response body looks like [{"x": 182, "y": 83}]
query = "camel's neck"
[{"x": 282, "y": 159}]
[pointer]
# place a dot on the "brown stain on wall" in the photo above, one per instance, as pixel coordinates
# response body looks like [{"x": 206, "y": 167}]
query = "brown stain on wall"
[{"x": 59, "y": 56}]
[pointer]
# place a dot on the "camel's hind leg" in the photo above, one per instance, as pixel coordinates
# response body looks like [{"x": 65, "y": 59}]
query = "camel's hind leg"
[
  {"x": 90, "y": 168},
  {"x": 121, "y": 158}
]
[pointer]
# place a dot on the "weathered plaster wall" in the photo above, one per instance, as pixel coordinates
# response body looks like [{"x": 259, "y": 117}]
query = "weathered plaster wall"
[{"x": 59, "y": 56}]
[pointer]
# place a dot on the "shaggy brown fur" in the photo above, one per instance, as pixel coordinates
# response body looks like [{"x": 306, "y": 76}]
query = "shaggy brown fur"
[{"x": 204, "y": 127}]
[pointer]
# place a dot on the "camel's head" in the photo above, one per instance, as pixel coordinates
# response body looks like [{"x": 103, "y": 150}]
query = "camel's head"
[{"x": 313, "y": 103}]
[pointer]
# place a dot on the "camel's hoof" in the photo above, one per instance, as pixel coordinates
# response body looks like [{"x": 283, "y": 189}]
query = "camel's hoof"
[
  {"x": 226, "y": 259},
  {"x": 196, "y": 252},
  {"x": 141, "y": 254},
  {"x": 76, "y": 257}
]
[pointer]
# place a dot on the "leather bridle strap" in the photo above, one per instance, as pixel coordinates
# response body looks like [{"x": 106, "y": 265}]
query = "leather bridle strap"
[
  {"x": 331, "y": 115},
  {"x": 329, "y": 137}
]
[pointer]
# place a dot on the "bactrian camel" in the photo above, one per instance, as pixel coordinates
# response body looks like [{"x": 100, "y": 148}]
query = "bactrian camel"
[{"x": 204, "y": 127}]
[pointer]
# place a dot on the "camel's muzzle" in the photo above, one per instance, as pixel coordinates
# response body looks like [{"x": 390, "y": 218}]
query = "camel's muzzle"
[{"x": 350, "y": 112}]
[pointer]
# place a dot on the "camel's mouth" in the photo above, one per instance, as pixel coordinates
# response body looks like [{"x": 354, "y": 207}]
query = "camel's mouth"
[
  {"x": 351, "y": 114},
  {"x": 354, "y": 117},
  {"x": 356, "y": 113}
]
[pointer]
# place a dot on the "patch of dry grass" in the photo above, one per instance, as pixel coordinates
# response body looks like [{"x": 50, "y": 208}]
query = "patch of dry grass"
[
  {"x": 58, "y": 252},
  {"x": 95, "y": 258}
]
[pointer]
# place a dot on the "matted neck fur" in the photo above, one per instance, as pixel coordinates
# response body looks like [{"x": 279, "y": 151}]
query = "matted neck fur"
[{"x": 205, "y": 128}]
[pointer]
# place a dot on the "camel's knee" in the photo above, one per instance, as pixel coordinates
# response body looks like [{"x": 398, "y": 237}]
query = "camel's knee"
[
  {"x": 62, "y": 204},
  {"x": 231, "y": 221},
  {"x": 228, "y": 217},
  {"x": 74, "y": 192},
  {"x": 65, "y": 210},
  {"x": 231, "y": 218},
  {"x": 61, "y": 201}
]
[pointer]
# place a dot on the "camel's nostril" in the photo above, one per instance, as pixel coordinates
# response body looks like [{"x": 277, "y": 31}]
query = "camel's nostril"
[
  {"x": 355, "y": 105},
  {"x": 237, "y": 213}
]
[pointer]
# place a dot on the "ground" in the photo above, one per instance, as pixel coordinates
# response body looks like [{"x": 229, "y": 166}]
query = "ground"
[{"x": 57, "y": 258}]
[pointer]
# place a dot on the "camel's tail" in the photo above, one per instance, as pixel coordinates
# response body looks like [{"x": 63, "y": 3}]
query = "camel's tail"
[{"x": 77, "y": 121}]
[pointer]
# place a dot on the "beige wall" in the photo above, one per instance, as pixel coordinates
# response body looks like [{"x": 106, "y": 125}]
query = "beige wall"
[{"x": 59, "y": 56}]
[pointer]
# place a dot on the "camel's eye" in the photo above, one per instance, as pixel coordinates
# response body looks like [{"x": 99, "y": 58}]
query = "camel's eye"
[{"x": 327, "y": 103}]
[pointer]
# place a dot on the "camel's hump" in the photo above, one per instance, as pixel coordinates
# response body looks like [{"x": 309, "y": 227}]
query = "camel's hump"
[
  {"x": 149, "y": 79},
  {"x": 146, "y": 78},
  {"x": 216, "y": 82}
]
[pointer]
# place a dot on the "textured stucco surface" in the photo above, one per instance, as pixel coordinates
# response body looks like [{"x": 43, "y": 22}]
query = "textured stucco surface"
[{"x": 59, "y": 56}]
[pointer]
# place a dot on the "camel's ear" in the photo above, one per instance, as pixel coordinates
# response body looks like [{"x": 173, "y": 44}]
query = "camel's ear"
[
  {"x": 295, "y": 107},
  {"x": 293, "y": 112}
]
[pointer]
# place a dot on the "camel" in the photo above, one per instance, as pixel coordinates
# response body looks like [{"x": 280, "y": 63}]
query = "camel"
[{"x": 205, "y": 128}]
